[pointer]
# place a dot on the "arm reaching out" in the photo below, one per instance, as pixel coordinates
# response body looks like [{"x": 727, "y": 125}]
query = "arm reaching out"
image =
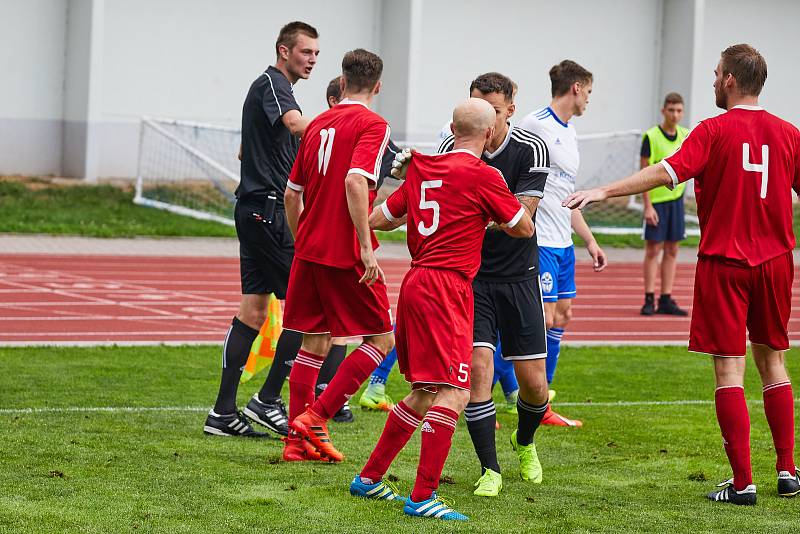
[{"x": 644, "y": 180}]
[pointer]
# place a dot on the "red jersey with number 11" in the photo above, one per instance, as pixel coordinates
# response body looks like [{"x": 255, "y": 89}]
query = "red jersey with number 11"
[
  {"x": 449, "y": 199},
  {"x": 745, "y": 163},
  {"x": 347, "y": 139}
]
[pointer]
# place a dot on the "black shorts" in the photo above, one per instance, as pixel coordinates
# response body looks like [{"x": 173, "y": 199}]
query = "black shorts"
[
  {"x": 515, "y": 310},
  {"x": 266, "y": 250},
  {"x": 671, "y": 222}
]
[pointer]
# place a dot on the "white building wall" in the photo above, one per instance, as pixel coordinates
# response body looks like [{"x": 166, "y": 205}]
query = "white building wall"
[
  {"x": 615, "y": 39},
  {"x": 196, "y": 59},
  {"x": 31, "y": 93},
  {"x": 771, "y": 27}
]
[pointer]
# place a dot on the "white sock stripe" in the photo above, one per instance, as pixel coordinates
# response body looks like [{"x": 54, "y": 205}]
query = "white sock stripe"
[
  {"x": 482, "y": 413},
  {"x": 472, "y": 418},
  {"x": 225, "y": 348},
  {"x": 407, "y": 412},
  {"x": 406, "y": 418},
  {"x": 375, "y": 359},
  {"x": 776, "y": 385},
  {"x": 479, "y": 412},
  {"x": 312, "y": 356},
  {"x": 442, "y": 416},
  {"x": 441, "y": 419},
  {"x": 473, "y": 408},
  {"x": 309, "y": 362},
  {"x": 729, "y": 387},
  {"x": 479, "y": 415},
  {"x": 371, "y": 351},
  {"x": 530, "y": 407}
]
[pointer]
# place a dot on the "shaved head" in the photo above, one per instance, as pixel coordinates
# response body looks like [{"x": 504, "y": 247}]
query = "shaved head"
[{"x": 472, "y": 118}]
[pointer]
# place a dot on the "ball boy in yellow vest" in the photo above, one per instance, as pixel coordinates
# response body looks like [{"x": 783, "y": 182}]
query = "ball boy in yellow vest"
[{"x": 664, "y": 225}]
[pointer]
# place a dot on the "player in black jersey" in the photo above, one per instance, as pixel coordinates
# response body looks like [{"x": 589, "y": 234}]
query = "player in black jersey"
[
  {"x": 508, "y": 299},
  {"x": 272, "y": 124}
]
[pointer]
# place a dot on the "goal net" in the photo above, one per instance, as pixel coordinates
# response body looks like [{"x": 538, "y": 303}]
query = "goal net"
[
  {"x": 606, "y": 157},
  {"x": 188, "y": 168},
  {"x": 191, "y": 168}
]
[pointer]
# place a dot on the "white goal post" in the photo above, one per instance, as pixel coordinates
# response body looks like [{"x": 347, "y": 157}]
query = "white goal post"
[{"x": 191, "y": 168}]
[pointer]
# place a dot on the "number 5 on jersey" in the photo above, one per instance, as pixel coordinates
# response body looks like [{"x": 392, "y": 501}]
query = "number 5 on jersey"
[
  {"x": 429, "y": 205},
  {"x": 755, "y": 167}
]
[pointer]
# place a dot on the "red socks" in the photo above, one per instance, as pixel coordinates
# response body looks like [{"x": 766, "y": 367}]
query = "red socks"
[
  {"x": 779, "y": 408},
  {"x": 437, "y": 435},
  {"x": 734, "y": 422},
  {"x": 400, "y": 425},
  {"x": 355, "y": 369},
  {"x": 302, "y": 380}
]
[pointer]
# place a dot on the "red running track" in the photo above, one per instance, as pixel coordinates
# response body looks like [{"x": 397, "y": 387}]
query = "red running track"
[{"x": 50, "y": 299}]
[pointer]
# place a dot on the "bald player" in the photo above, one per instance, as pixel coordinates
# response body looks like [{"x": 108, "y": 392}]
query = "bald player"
[{"x": 447, "y": 200}]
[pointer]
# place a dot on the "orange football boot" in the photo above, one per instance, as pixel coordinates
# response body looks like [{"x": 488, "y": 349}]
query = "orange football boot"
[{"x": 314, "y": 428}]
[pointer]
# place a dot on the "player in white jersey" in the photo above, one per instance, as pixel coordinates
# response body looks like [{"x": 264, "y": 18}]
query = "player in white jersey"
[{"x": 571, "y": 86}]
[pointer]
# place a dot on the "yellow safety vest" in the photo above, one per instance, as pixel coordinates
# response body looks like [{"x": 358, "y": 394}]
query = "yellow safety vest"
[{"x": 660, "y": 148}]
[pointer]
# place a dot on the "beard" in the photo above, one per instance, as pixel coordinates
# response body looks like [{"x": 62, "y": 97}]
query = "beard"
[{"x": 721, "y": 99}]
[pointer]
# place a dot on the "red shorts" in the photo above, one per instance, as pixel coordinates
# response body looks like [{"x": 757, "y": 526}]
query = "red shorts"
[
  {"x": 434, "y": 328},
  {"x": 328, "y": 300},
  {"x": 731, "y": 299}
]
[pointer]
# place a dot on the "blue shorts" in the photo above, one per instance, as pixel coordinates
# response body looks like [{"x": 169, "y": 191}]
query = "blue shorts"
[
  {"x": 557, "y": 273},
  {"x": 671, "y": 222}
]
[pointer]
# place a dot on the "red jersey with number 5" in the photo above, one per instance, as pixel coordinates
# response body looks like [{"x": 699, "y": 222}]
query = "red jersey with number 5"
[
  {"x": 347, "y": 139},
  {"x": 745, "y": 163},
  {"x": 449, "y": 199}
]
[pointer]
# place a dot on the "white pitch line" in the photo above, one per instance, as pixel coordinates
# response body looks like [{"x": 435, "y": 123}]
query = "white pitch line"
[{"x": 149, "y": 409}]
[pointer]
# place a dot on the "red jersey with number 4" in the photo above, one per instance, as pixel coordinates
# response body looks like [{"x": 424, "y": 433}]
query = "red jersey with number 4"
[
  {"x": 449, "y": 199},
  {"x": 347, "y": 139},
  {"x": 745, "y": 163}
]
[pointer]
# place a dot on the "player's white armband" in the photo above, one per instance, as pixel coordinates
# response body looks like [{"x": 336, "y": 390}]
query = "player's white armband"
[{"x": 400, "y": 163}]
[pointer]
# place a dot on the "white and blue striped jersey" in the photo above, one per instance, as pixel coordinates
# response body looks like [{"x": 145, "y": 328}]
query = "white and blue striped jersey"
[{"x": 553, "y": 221}]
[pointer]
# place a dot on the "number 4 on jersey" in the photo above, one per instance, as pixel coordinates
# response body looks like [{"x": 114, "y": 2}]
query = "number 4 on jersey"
[{"x": 763, "y": 168}]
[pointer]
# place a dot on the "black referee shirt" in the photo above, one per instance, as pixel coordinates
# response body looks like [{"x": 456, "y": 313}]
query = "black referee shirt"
[
  {"x": 524, "y": 161},
  {"x": 268, "y": 148}
]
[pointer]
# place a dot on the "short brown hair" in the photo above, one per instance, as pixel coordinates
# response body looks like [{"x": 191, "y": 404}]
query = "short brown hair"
[
  {"x": 288, "y": 34},
  {"x": 361, "y": 69},
  {"x": 494, "y": 82},
  {"x": 563, "y": 75},
  {"x": 673, "y": 98},
  {"x": 334, "y": 89},
  {"x": 747, "y": 65}
]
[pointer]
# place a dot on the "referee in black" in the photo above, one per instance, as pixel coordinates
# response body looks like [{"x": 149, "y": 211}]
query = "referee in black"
[
  {"x": 272, "y": 124},
  {"x": 507, "y": 296}
]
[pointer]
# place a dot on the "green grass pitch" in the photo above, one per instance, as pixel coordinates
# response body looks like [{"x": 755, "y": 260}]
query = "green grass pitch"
[{"x": 78, "y": 463}]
